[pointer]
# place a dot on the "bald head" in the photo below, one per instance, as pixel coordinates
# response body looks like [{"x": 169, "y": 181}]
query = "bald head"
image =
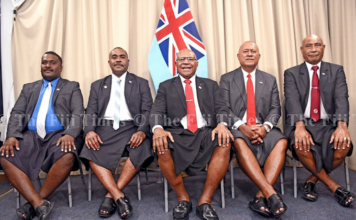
[
  {"x": 249, "y": 55},
  {"x": 186, "y": 63},
  {"x": 312, "y": 49}
]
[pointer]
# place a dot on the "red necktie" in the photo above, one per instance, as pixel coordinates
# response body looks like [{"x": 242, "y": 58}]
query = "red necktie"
[
  {"x": 315, "y": 96},
  {"x": 191, "y": 114},
  {"x": 251, "y": 106}
]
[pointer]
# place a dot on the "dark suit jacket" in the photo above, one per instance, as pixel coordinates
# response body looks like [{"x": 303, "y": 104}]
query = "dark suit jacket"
[
  {"x": 268, "y": 107},
  {"x": 138, "y": 99},
  {"x": 67, "y": 104},
  {"x": 170, "y": 104},
  {"x": 333, "y": 92}
]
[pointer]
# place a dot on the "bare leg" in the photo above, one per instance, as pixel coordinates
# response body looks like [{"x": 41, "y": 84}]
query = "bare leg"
[
  {"x": 166, "y": 164},
  {"x": 127, "y": 174},
  {"x": 21, "y": 182},
  {"x": 251, "y": 167},
  {"x": 57, "y": 175},
  {"x": 274, "y": 163},
  {"x": 218, "y": 165}
]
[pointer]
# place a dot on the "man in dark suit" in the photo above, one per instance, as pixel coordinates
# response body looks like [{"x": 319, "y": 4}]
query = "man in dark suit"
[
  {"x": 316, "y": 99},
  {"x": 183, "y": 115},
  {"x": 45, "y": 127},
  {"x": 117, "y": 125},
  {"x": 254, "y": 109}
]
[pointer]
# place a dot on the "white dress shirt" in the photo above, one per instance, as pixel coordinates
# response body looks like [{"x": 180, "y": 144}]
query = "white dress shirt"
[
  {"x": 200, "y": 119},
  {"x": 124, "y": 110},
  {"x": 244, "y": 118},
  {"x": 323, "y": 114}
]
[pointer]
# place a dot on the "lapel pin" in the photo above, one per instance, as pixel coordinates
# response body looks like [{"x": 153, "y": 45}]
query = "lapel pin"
[
  {"x": 323, "y": 74},
  {"x": 261, "y": 83},
  {"x": 199, "y": 87},
  {"x": 105, "y": 87},
  {"x": 58, "y": 89},
  {"x": 130, "y": 81}
]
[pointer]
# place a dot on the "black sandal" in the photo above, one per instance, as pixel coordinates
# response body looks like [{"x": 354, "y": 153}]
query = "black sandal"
[
  {"x": 308, "y": 191},
  {"x": 44, "y": 210},
  {"x": 108, "y": 205},
  {"x": 26, "y": 212},
  {"x": 257, "y": 203},
  {"x": 275, "y": 203},
  {"x": 124, "y": 208},
  {"x": 342, "y": 195}
]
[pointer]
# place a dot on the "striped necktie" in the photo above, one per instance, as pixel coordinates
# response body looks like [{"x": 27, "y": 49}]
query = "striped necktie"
[{"x": 42, "y": 113}]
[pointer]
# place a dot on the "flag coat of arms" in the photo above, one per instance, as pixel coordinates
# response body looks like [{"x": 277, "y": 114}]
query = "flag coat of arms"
[{"x": 176, "y": 30}]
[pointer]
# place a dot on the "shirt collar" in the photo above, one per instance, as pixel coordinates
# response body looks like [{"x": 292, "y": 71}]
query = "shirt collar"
[
  {"x": 53, "y": 82},
  {"x": 116, "y": 79},
  {"x": 309, "y": 66},
  {"x": 253, "y": 73},
  {"x": 192, "y": 79}
]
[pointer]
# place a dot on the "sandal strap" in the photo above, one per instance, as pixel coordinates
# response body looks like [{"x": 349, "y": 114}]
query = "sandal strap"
[
  {"x": 43, "y": 210},
  {"x": 275, "y": 202},
  {"x": 108, "y": 205},
  {"x": 123, "y": 205},
  {"x": 343, "y": 195},
  {"x": 27, "y": 210}
]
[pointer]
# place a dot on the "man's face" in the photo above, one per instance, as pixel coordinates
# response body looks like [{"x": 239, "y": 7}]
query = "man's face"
[
  {"x": 118, "y": 61},
  {"x": 249, "y": 55},
  {"x": 313, "y": 49},
  {"x": 51, "y": 67},
  {"x": 186, "y": 63}
]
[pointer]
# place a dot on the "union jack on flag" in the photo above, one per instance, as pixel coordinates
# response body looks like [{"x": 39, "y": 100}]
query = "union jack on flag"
[{"x": 176, "y": 30}]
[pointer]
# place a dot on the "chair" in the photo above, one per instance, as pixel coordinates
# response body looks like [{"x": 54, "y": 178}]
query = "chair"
[
  {"x": 138, "y": 183},
  {"x": 166, "y": 194},
  {"x": 347, "y": 178}
]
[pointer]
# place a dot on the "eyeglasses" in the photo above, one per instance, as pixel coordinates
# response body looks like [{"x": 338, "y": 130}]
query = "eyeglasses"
[{"x": 189, "y": 59}]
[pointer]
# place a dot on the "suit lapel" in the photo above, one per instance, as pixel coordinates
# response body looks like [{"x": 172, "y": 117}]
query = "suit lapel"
[
  {"x": 323, "y": 78},
  {"x": 178, "y": 85},
  {"x": 200, "y": 92},
  {"x": 259, "y": 84},
  {"x": 36, "y": 94},
  {"x": 129, "y": 83},
  {"x": 304, "y": 75},
  {"x": 240, "y": 84},
  {"x": 58, "y": 89},
  {"x": 106, "y": 90}
]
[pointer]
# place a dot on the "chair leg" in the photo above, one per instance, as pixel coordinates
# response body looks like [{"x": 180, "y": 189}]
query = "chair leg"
[
  {"x": 17, "y": 198},
  {"x": 222, "y": 194},
  {"x": 69, "y": 192},
  {"x": 282, "y": 183},
  {"x": 138, "y": 186},
  {"x": 295, "y": 177},
  {"x": 82, "y": 175},
  {"x": 347, "y": 174},
  {"x": 89, "y": 184},
  {"x": 232, "y": 180},
  {"x": 146, "y": 173},
  {"x": 165, "y": 195}
]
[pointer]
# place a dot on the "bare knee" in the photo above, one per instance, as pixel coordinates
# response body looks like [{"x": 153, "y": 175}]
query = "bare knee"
[
  {"x": 68, "y": 159},
  {"x": 282, "y": 145},
  {"x": 167, "y": 156},
  {"x": 340, "y": 154},
  {"x": 238, "y": 143},
  {"x": 223, "y": 152}
]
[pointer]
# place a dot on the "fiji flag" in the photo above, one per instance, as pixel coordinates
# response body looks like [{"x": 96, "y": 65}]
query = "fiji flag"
[{"x": 176, "y": 30}]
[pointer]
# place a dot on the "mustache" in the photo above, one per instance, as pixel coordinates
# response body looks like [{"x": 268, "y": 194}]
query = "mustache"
[{"x": 46, "y": 69}]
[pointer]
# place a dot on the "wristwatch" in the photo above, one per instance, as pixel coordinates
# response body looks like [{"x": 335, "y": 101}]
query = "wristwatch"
[{"x": 267, "y": 128}]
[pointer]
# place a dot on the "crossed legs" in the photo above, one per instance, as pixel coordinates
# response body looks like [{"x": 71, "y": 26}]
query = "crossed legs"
[
  {"x": 218, "y": 165},
  {"x": 307, "y": 159},
  {"x": 106, "y": 178},
  {"x": 56, "y": 176},
  {"x": 272, "y": 167}
]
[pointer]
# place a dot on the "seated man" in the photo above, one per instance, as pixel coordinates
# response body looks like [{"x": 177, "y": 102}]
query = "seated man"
[
  {"x": 117, "y": 125},
  {"x": 182, "y": 118},
  {"x": 317, "y": 118},
  {"x": 253, "y": 100},
  {"x": 49, "y": 140}
]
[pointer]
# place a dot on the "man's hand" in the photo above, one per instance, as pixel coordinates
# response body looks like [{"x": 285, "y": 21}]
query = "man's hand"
[
  {"x": 302, "y": 137},
  {"x": 9, "y": 147},
  {"x": 160, "y": 142},
  {"x": 92, "y": 140},
  {"x": 224, "y": 135},
  {"x": 137, "y": 139},
  {"x": 261, "y": 131},
  {"x": 67, "y": 142},
  {"x": 341, "y": 136},
  {"x": 250, "y": 132}
]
